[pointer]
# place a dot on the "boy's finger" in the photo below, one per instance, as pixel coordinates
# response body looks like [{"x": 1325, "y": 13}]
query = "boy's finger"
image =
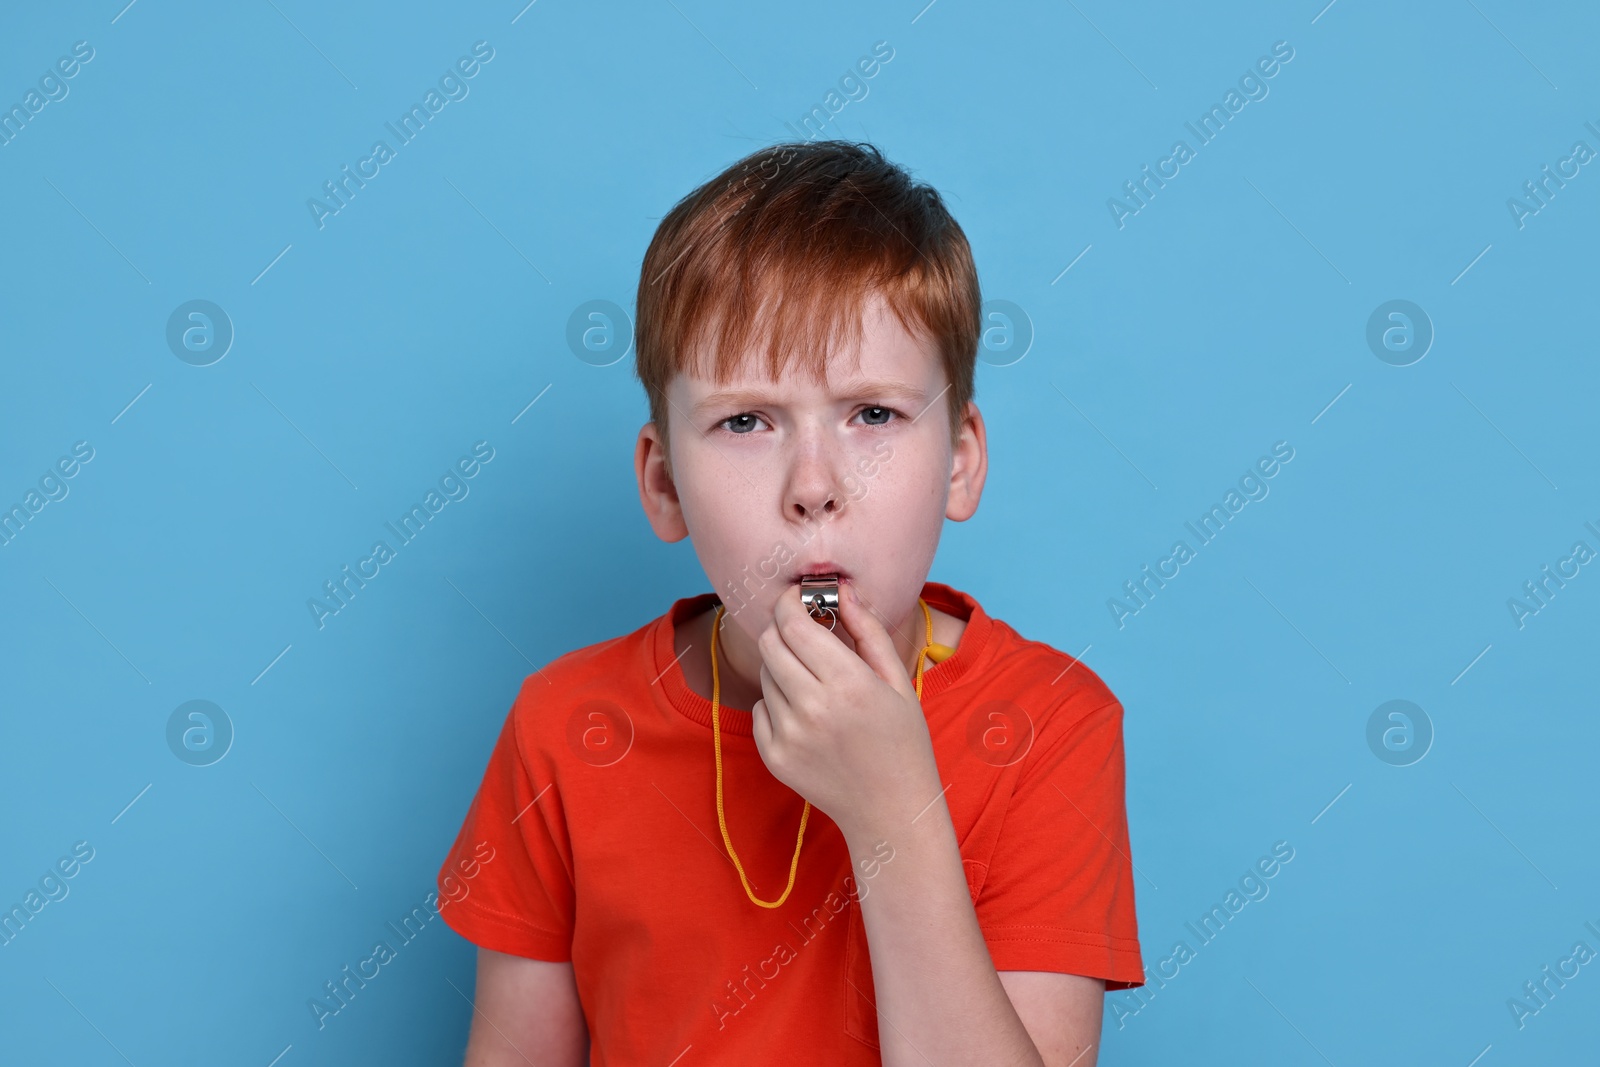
[
  {"x": 800, "y": 633},
  {"x": 786, "y": 667},
  {"x": 761, "y": 728},
  {"x": 769, "y": 716},
  {"x": 775, "y": 700},
  {"x": 873, "y": 643}
]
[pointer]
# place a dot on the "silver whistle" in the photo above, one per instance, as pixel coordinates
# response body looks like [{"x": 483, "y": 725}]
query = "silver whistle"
[{"x": 819, "y": 593}]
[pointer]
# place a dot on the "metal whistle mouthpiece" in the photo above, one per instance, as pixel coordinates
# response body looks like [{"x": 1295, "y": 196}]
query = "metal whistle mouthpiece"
[{"x": 820, "y": 595}]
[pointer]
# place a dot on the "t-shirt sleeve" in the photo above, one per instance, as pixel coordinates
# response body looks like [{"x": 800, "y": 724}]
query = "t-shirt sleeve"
[
  {"x": 506, "y": 884},
  {"x": 1058, "y": 894}
]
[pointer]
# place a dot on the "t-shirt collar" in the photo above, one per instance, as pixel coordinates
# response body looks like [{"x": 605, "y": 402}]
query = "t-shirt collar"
[{"x": 936, "y": 678}]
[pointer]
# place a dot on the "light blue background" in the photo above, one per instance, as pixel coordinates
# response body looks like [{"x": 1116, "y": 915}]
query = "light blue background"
[{"x": 1224, "y": 316}]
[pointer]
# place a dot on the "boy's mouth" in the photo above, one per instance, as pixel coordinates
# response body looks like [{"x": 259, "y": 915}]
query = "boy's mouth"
[{"x": 826, "y": 568}]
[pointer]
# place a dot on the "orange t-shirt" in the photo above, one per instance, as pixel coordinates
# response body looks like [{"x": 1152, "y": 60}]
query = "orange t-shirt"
[{"x": 599, "y": 803}]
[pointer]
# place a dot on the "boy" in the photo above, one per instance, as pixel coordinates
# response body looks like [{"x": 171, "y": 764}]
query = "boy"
[{"x": 757, "y": 830}]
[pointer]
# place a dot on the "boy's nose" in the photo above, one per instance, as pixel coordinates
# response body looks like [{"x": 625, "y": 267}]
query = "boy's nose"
[
  {"x": 814, "y": 491},
  {"x": 816, "y": 504}
]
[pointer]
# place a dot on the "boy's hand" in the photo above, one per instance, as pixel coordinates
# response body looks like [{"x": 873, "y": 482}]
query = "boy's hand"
[{"x": 843, "y": 729}]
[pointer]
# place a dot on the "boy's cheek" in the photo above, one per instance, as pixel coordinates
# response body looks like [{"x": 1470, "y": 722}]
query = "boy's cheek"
[{"x": 884, "y": 452}]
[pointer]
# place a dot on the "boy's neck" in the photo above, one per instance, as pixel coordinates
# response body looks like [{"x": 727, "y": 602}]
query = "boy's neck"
[{"x": 739, "y": 668}]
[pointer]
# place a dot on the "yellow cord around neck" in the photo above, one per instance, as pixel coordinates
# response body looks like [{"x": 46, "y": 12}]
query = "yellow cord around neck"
[{"x": 929, "y": 650}]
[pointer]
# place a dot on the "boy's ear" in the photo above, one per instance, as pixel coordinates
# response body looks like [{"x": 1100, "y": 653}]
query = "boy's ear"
[
  {"x": 969, "y": 464},
  {"x": 658, "y": 493}
]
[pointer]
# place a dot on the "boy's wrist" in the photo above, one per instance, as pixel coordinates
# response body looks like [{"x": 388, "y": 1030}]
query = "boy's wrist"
[
  {"x": 913, "y": 804},
  {"x": 910, "y": 827}
]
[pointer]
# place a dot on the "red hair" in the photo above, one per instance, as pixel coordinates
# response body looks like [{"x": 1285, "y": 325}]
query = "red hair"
[{"x": 800, "y": 235}]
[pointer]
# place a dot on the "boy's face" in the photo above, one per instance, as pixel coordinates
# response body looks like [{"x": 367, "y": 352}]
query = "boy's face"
[{"x": 857, "y": 475}]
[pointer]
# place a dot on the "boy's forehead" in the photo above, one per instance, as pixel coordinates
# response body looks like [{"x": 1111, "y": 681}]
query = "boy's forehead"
[{"x": 886, "y": 354}]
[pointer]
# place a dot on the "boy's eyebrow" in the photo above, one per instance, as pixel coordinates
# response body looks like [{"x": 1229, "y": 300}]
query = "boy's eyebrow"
[{"x": 861, "y": 389}]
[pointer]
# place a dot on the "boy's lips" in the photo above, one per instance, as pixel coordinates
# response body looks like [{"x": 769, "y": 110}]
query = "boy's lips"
[{"x": 825, "y": 567}]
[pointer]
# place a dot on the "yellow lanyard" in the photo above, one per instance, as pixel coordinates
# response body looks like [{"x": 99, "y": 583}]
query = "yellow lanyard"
[{"x": 929, "y": 650}]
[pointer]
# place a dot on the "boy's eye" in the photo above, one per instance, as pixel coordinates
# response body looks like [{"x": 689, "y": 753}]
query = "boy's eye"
[
  {"x": 874, "y": 414},
  {"x": 743, "y": 423}
]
